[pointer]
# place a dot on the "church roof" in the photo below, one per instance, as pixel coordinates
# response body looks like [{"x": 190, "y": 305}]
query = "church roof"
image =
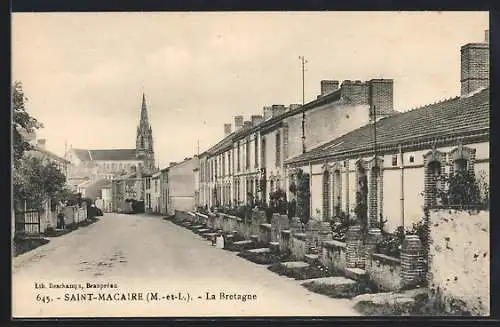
[
  {"x": 456, "y": 116},
  {"x": 106, "y": 154}
]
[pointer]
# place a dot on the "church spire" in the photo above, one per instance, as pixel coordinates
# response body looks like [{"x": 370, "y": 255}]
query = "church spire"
[{"x": 144, "y": 112}]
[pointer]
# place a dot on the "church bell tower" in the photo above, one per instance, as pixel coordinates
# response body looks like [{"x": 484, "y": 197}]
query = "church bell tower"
[{"x": 144, "y": 141}]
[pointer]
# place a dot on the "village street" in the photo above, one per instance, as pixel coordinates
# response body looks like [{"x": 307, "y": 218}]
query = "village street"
[{"x": 141, "y": 253}]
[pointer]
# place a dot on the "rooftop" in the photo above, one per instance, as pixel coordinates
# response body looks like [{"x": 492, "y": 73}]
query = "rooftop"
[
  {"x": 105, "y": 154},
  {"x": 453, "y": 116}
]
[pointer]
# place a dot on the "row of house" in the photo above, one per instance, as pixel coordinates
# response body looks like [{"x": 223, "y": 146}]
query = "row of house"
[{"x": 350, "y": 143}]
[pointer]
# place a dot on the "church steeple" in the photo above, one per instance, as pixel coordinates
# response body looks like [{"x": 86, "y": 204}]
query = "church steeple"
[
  {"x": 144, "y": 141},
  {"x": 144, "y": 112}
]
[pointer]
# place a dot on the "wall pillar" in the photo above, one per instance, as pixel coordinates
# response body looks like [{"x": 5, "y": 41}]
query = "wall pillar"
[
  {"x": 354, "y": 247},
  {"x": 412, "y": 258}
]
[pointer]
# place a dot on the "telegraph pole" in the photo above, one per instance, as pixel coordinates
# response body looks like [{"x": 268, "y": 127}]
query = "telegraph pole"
[{"x": 303, "y": 61}]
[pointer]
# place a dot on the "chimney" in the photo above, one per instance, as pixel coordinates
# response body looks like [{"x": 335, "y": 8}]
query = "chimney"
[
  {"x": 247, "y": 123},
  {"x": 41, "y": 143},
  {"x": 294, "y": 106},
  {"x": 329, "y": 86},
  {"x": 474, "y": 66},
  {"x": 381, "y": 96},
  {"x": 172, "y": 163},
  {"x": 486, "y": 36},
  {"x": 238, "y": 122},
  {"x": 257, "y": 119},
  {"x": 268, "y": 112},
  {"x": 227, "y": 129},
  {"x": 278, "y": 109}
]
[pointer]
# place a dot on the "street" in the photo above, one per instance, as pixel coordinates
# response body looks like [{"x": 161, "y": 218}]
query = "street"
[{"x": 141, "y": 254}]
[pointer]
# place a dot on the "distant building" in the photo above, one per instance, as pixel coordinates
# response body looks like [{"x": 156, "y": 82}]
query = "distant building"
[
  {"x": 95, "y": 164},
  {"x": 181, "y": 185},
  {"x": 39, "y": 151}
]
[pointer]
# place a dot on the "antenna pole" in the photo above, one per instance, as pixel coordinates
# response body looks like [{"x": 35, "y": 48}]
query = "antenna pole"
[{"x": 303, "y": 62}]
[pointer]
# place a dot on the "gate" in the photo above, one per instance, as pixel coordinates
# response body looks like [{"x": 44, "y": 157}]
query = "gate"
[{"x": 28, "y": 222}]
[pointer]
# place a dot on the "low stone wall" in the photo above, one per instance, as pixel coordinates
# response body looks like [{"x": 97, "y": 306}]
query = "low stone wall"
[
  {"x": 298, "y": 245},
  {"x": 265, "y": 233},
  {"x": 333, "y": 255},
  {"x": 459, "y": 259},
  {"x": 278, "y": 223},
  {"x": 285, "y": 241},
  {"x": 384, "y": 271}
]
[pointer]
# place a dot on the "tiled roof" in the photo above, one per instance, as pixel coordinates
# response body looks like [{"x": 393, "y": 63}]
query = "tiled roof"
[
  {"x": 49, "y": 154},
  {"x": 450, "y": 117},
  {"x": 105, "y": 154}
]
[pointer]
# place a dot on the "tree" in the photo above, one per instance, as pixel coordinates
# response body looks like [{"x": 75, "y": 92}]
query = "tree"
[
  {"x": 36, "y": 180},
  {"x": 22, "y": 123}
]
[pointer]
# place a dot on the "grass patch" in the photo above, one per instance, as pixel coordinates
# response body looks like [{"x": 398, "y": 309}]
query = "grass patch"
[
  {"x": 23, "y": 244},
  {"x": 316, "y": 270}
]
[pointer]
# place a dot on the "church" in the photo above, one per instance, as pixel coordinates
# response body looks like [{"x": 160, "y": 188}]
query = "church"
[{"x": 90, "y": 166}]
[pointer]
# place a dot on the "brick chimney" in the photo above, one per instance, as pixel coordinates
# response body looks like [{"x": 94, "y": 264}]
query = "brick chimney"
[
  {"x": 278, "y": 109},
  {"x": 381, "y": 96},
  {"x": 238, "y": 122},
  {"x": 172, "y": 163},
  {"x": 294, "y": 106},
  {"x": 475, "y": 66},
  {"x": 227, "y": 129},
  {"x": 329, "y": 86},
  {"x": 268, "y": 112},
  {"x": 257, "y": 119},
  {"x": 247, "y": 123},
  {"x": 41, "y": 143},
  {"x": 487, "y": 36}
]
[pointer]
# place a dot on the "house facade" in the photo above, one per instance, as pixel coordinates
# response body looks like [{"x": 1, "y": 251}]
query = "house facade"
[
  {"x": 394, "y": 164},
  {"x": 350, "y": 140},
  {"x": 181, "y": 185}
]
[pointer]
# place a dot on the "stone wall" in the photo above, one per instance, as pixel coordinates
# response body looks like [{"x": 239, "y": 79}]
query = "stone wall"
[
  {"x": 459, "y": 258},
  {"x": 298, "y": 245},
  {"x": 384, "y": 271},
  {"x": 333, "y": 255}
]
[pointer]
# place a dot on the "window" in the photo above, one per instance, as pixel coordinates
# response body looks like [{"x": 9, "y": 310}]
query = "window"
[
  {"x": 285, "y": 142},
  {"x": 229, "y": 163},
  {"x": 326, "y": 194},
  {"x": 256, "y": 151},
  {"x": 278, "y": 149},
  {"x": 411, "y": 158},
  {"x": 263, "y": 152},
  {"x": 394, "y": 160},
  {"x": 223, "y": 164},
  {"x": 460, "y": 165},
  {"x": 247, "y": 154},
  {"x": 337, "y": 192},
  {"x": 238, "y": 156}
]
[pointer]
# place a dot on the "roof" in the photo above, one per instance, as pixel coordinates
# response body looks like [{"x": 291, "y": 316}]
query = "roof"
[
  {"x": 51, "y": 155},
  {"x": 105, "y": 154},
  {"x": 455, "y": 116}
]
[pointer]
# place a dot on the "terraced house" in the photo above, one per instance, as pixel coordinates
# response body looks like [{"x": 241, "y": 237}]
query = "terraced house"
[
  {"x": 350, "y": 142},
  {"x": 394, "y": 163}
]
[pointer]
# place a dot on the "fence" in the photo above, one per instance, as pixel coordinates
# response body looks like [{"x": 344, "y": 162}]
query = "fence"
[{"x": 28, "y": 222}]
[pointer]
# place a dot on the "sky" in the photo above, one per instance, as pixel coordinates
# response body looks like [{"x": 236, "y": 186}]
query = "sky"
[{"x": 84, "y": 73}]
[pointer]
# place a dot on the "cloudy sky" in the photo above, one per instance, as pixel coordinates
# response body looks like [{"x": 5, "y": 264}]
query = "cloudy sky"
[{"x": 84, "y": 73}]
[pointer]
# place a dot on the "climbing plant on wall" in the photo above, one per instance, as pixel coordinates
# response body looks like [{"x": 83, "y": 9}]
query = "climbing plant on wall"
[{"x": 303, "y": 196}]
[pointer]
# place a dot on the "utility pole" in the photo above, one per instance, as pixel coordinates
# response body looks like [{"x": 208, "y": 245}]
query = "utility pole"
[
  {"x": 303, "y": 61},
  {"x": 198, "y": 147}
]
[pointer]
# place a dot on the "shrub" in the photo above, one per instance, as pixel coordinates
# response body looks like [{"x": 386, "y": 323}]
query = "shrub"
[{"x": 340, "y": 225}]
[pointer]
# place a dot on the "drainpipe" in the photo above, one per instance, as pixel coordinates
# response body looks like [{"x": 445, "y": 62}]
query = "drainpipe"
[{"x": 401, "y": 166}]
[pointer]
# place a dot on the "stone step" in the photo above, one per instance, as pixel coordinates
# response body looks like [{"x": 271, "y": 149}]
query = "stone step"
[
  {"x": 186, "y": 223},
  {"x": 311, "y": 258},
  {"x": 198, "y": 226},
  {"x": 254, "y": 238},
  {"x": 336, "y": 287},
  {"x": 243, "y": 245},
  {"x": 203, "y": 230},
  {"x": 260, "y": 251},
  {"x": 274, "y": 246},
  {"x": 357, "y": 274}
]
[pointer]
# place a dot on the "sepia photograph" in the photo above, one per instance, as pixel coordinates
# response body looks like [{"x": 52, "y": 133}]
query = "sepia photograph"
[{"x": 250, "y": 164}]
